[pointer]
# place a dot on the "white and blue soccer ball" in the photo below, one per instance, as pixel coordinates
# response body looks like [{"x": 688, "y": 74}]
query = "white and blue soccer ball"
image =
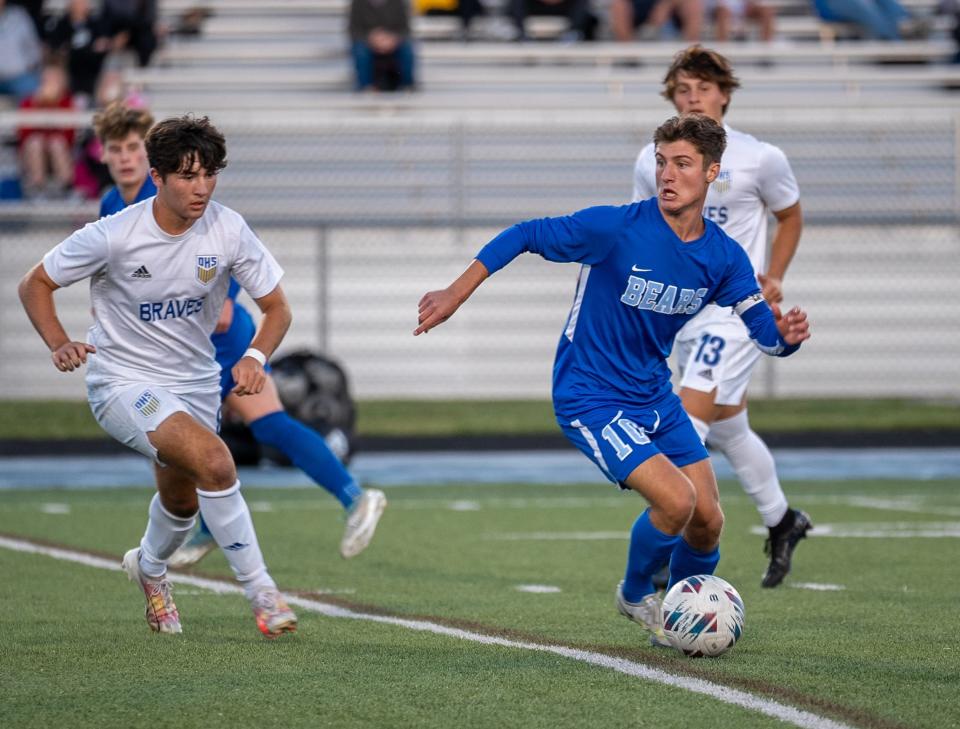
[{"x": 703, "y": 616}]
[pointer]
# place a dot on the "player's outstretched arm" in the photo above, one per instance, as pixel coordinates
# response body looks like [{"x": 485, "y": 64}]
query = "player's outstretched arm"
[
  {"x": 36, "y": 294},
  {"x": 437, "y": 306},
  {"x": 248, "y": 372}
]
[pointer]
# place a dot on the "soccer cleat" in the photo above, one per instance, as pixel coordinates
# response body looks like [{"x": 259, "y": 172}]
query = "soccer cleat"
[
  {"x": 362, "y": 522},
  {"x": 273, "y": 615},
  {"x": 780, "y": 549},
  {"x": 196, "y": 548},
  {"x": 646, "y": 613},
  {"x": 161, "y": 612}
]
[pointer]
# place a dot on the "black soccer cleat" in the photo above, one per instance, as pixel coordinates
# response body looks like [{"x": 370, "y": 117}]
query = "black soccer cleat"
[{"x": 780, "y": 548}]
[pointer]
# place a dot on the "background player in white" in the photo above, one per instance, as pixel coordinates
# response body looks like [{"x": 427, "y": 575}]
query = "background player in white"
[
  {"x": 714, "y": 349},
  {"x": 159, "y": 272}
]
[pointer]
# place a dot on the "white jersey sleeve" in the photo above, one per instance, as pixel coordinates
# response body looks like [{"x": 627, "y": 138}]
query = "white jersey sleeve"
[
  {"x": 775, "y": 179},
  {"x": 645, "y": 175},
  {"x": 254, "y": 267},
  {"x": 80, "y": 256}
]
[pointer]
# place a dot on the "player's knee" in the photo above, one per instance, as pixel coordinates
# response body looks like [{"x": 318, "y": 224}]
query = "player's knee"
[
  {"x": 182, "y": 505},
  {"x": 219, "y": 472},
  {"x": 713, "y": 525},
  {"x": 679, "y": 504}
]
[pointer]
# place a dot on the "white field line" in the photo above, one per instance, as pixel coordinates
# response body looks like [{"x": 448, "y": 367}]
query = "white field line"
[{"x": 725, "y": 694}]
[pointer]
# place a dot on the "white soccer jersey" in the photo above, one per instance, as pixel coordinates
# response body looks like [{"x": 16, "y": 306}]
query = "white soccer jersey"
[
  {"x": 755, "y": 178},
  {"x": 156, "y": 297}
]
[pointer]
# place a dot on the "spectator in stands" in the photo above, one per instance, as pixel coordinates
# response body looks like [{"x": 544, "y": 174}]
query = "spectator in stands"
[
  {"x": 34, "y": 9},
  {"x": 133, "y": 24},
  {"x": 46, "y": 153},
  {"x": 20, "y": 52},
  {"x": 880, "y": 19},
  {"x": 626, "y": 16},
  {"x": 81, "y": 37},
  {"x": 466, "y": 10},
  {"x": 730, "y": 15},
  {"x": 382, "y": 50},
  {"x": 582, "y": 22}
]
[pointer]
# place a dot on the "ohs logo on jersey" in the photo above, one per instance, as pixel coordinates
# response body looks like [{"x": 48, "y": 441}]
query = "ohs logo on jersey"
[
  {"x": 655, "y": 296},
  {"x": 206, "y": 269}
]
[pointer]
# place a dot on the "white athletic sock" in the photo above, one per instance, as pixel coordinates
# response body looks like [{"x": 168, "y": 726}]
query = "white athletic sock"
[
  {"x": 753, "y": 464},
  {"x": 228, "y": 519},
  {"x": 701, "y": 427},
  {"x": 165, "y": 533}
]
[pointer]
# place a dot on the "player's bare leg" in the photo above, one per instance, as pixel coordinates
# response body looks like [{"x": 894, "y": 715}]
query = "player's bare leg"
[{"x": 200, "y": 473}]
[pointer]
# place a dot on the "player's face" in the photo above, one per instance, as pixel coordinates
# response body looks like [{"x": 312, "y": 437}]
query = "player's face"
[
  {"x": 694, "y": 94},
  {"x": 682, "y": 181},
  {"x": 187, "y": 193},
  {"x": 126, "y": 159}
]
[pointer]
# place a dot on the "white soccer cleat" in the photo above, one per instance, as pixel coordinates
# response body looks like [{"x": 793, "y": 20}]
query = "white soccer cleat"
[
  {"x": 647, "y": 613},
  {"x": 196, "y": 548},
  {"x": 161, "y": 613},
  {"x": 274, "y": 616},
  {"x": 362, "y": 522}
]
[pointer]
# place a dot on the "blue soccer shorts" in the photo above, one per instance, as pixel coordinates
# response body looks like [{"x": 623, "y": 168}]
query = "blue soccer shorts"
[{"x": 619, "y": 437}]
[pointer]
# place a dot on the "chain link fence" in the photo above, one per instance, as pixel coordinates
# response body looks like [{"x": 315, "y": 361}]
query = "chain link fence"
[{"x": 366, "y": 215}]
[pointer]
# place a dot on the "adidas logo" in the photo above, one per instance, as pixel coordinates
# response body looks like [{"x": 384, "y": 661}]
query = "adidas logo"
[
  {"x": 141, "y": 272},
  {"x": 706, "y": 374},
  {"x": 236, "y": 546}
]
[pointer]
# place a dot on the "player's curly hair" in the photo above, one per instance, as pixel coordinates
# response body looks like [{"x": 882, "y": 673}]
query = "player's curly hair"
[
  {"x": 704, "y": 64},
  {"x": 707, "y": 136},
  {"x": 176, "y": 144},
  {"x": 118, "y": 120}
]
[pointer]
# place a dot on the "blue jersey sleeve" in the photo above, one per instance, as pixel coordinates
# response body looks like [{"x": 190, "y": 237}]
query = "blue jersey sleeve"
[
  {"x": 739, "y": 281},
  {"x": 758, "y": 317},
  {"x": 586, "y": 236},
  {"x": 234, "y": 289}
]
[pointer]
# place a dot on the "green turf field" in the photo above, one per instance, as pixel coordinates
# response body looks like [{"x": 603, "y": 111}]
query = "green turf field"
[
  {"x": 59, "y": 419},
  {"x": 879, "y": 650}
]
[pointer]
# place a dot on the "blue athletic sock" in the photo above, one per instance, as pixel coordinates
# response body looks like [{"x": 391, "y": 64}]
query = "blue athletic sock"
[
  {"x": 309, "y": 452},
  {"x": 649, "y": 549},
  {"x": 686, "y": 561}
]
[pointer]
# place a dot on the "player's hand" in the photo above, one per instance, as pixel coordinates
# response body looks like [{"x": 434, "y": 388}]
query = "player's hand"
[
  {"x": 772, "y": 288},
  {"x": 226, "y": 317},
  {"x": 70, "y": 356},
  {"x": 249, "y": 376},
  {"x": 793, "y": 326},
  {"x": 435, "y": 308}
]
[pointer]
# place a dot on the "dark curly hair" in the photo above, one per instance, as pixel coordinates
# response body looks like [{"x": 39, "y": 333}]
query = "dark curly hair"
[
  {"x": 704, "y": 64},
  {"x": 707, "y": 137},
  {"x": 176, "y": 144}
]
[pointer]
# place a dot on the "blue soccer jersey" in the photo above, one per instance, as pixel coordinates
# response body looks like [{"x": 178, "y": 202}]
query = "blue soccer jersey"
[
  {"x": 638, "y": 286},
  {"x": 112, "y": 202}
]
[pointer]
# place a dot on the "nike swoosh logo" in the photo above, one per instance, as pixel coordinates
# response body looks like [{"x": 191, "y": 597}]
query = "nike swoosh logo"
[{"x": 641, "y": 270}]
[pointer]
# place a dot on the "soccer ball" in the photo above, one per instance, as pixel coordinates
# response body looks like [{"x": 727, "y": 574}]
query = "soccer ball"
[{"x": 703, "y": 616}]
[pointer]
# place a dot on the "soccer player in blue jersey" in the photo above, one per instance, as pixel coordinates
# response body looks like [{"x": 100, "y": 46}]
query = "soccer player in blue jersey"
[
  {"x": 646, "y": 269},
  {"x": 122, "y": 131}
]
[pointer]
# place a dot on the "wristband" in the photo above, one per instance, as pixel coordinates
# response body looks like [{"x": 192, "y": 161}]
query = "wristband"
[{"x": 257, "y": 355}]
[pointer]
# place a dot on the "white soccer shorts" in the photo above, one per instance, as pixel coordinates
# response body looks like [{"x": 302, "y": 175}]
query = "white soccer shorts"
[
  {"x": 128, "y": 412},
  {"x": 718, "y": 358}
]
